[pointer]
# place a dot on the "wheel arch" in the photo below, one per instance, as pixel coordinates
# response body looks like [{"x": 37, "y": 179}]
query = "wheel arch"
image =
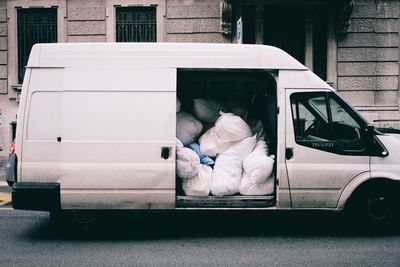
[{"x": 365, "y": 180}]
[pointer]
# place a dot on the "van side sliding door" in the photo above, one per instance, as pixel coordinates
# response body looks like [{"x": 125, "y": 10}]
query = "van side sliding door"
[
  {"x": 324, "y": 148},
  {"x": 118, "y": 141}
]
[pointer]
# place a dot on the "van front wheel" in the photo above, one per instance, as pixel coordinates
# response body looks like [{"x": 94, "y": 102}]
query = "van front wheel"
[
  {"x": 374, "y": 207},
  {"x": 379, "y": 207}
]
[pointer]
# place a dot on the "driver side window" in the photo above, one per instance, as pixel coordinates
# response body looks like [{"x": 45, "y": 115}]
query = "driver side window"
[
  {"x": 310, "y": 118},
  {"x": 322, "y": 122}
]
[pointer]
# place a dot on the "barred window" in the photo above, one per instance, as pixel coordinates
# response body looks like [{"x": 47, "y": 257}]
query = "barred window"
[
  {"x": 34, "y": 25},
  {"x": 136, "y": 24}
]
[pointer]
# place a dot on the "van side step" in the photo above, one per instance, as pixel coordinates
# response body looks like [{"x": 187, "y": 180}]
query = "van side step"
[{"x": 225, "y": 202}]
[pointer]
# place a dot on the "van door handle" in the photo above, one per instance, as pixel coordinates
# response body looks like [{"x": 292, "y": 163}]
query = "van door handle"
[
  {"x": 59, "y": 139},
  {"x": 165, "y": 152},
  {"x": 289, "y": 153}
]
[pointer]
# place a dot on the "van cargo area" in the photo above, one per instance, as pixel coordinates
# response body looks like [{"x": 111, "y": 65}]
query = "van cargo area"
[{"x": 248, "y": 100}]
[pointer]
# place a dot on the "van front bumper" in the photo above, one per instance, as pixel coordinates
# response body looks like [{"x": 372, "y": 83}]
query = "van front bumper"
[{"x": 36, "y": 196}]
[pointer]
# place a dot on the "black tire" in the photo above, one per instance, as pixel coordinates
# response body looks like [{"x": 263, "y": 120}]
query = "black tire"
[
  {"x": 84, "y": 217},
  {"x": 10, "y": 183},
  {"x": 375, "y": 207}
]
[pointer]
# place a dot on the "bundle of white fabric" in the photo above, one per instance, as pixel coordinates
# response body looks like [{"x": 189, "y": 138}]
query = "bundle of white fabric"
[
  {"x": 188, "y": 128},
  {"x": 228, "y": 129},
  {"x": 257, "y": 176},
  {"x": 207, "y": 110},
  {"x": 196, "y": 177},
  {"x": 227, "y": 172},
  {"x": 187, "y": 161},
  {"x": 200, "y": 184}
]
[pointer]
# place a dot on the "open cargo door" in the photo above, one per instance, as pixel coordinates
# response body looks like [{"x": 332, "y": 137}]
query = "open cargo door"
[{"x": 118, "y": 141}]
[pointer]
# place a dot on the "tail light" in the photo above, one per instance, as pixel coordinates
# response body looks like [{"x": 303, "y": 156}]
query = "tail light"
[{"x": 12, "y": 150}]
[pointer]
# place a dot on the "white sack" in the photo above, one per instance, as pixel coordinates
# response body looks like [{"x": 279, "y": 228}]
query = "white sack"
[
  {"x": 249, "y": 188},
  {"x": 228, "y": 129},
  {"x": 188, "y": 127},
  {"x": 200, "y": 184},
  {"x": 210, "y": 144},
  {"x": 227, "y": 171},
  {"x": 187, "y": 163},
  {"x": 257, "y": 165},
  {"x": 207, "y": 110},
  {"x": 178, "y": 105},
  {"x": 178, "y": 144}
]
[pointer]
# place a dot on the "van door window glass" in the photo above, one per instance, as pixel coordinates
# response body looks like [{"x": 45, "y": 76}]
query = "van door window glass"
[
  {"x": 319, "y": 118},
  {"x": 319, "y": 104},
  {"x": 310, "y": 117},
  {"x": 346, "y": 131},
  {"x": 340, "y": 115}
]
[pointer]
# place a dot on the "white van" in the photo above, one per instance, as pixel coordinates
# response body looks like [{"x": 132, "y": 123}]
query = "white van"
[{"x": 97, "y": 128}]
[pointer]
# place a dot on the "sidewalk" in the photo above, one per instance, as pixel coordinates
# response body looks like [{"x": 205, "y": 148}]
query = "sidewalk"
[
  {"x": 5, "y": 190},
  {"x": 3, "y": 161}
]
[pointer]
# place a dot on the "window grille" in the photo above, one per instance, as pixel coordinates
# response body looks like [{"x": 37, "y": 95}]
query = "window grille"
[
  {"x": 136, "y": 24},
  {"x": 34, "y": 25}
]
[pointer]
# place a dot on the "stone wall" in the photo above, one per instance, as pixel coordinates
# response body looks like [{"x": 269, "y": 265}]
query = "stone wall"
[
  {"x": 3, "y": 79},
  {"x": 3, "y": 51},
  {"x": 196, "y": 21},
  {"x": 368, "y": 61},
  {"x": 86, "y": 21}
]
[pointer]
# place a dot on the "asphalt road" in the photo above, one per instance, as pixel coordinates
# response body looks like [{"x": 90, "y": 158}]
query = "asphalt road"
[{"x": 196, "y": 239}]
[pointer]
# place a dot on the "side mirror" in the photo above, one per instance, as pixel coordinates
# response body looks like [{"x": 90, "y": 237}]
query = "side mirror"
[
  {"x": 371, "y": 145},
  {"x": 369, "y": 133},
  {"x": 368, "y": 137}
]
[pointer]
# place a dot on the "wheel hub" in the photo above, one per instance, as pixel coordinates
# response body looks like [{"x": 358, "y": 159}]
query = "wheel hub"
[{"x": 378, "y": 208}]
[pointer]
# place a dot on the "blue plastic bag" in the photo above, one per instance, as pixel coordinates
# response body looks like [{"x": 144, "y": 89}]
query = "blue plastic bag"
[{"x": 203, "y": 158}]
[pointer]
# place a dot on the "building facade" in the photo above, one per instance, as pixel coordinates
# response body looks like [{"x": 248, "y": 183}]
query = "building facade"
[{"x": 352, "y": 44}]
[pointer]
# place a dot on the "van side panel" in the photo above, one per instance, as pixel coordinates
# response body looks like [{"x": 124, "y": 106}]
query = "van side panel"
[
  {"x": 118, "y": 199},
  {"x": 40, "y": 157},
  {"x": 21, "y": 121},
  {"x": 116, "y": 122},
  {"x": 113, "y": 140},
  {"x": 282, "y": 187}
]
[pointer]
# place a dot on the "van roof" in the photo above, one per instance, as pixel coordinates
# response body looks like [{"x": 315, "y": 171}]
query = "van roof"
[{"x": 179, "y": 55}]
